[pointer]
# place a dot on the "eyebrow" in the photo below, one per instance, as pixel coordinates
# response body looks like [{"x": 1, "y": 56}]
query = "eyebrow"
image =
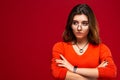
[{"x": 82, "y": 21}]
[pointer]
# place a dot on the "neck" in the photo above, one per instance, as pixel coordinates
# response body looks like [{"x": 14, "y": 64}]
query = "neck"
[
  {"x": 82, "y": 42},
  {"x": 82, "y": 45}
]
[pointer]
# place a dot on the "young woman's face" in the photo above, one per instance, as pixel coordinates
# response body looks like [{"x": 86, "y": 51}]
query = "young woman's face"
[{"x": 80, "y": 26}]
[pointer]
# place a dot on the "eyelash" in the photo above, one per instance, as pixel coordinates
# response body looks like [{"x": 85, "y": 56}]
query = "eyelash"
[
  {"x": 84, "y": 23},
  {"x": 75, "y": 22}
]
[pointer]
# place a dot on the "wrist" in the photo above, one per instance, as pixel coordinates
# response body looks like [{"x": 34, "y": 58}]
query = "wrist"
[{"x": 74, "y": 69}]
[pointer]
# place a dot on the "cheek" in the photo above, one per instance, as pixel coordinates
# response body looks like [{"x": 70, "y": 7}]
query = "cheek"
[
  {"x": 74, "y": 28},
  {"x": 86, "y": 31}
]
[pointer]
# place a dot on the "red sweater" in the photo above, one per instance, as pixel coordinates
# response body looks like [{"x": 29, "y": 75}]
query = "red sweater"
[{"x": 92, "y": 57}]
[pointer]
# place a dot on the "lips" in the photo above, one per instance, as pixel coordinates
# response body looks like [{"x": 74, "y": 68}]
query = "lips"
[{"x": 79, "y": 33}]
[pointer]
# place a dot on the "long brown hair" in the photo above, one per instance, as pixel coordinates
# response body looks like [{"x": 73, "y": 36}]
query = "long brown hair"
[{"x": 93, "y": 35}]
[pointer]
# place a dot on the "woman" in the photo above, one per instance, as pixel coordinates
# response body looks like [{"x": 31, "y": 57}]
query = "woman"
[{"x": 81, "y": 55}]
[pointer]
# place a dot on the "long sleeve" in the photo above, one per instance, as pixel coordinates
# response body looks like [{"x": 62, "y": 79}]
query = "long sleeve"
[
  {"x": 58, "y": 72},
  {"x": 110, "y": 70}
]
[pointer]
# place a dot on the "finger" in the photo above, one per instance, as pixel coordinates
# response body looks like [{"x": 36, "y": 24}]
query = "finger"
[
  {"x": 61, "y": 65},
  {"x": 62, "y": 57},
  {"x": 102, "y": 63},
  {"x": 106, "y": 63},
  {"x": 59, "y": 61}
]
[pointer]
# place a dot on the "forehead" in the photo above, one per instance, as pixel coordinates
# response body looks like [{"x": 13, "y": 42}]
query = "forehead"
[{"x": 80, "y": 17}]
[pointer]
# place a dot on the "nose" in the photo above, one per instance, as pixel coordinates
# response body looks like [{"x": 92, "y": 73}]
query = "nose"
[{"x": 79, "y": 28}]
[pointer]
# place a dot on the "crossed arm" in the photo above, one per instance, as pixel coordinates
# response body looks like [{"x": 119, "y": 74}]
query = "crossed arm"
[{"x": 80, "y": 73}]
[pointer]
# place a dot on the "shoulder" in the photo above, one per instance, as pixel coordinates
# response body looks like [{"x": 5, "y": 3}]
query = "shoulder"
[
  {"x": 60, "y": 44},
  {"x": 104, "y": 49},
  {"x": 103, "y": 46}
]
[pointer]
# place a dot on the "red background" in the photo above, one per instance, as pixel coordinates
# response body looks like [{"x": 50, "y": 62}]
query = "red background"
[{"x": 29, "y": 28}]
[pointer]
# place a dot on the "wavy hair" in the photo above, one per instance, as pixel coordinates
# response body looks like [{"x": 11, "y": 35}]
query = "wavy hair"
[{"x": 93, "y": 35}]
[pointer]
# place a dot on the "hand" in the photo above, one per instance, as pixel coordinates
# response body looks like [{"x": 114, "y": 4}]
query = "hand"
[
  {"x": 64, "y": 63},
  {"x": 103, "y": 64}
]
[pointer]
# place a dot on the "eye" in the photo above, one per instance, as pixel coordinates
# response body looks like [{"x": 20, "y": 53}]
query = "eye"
[
  {"x": 75, "y": 22},
  {"x": 85, "y": 23}
]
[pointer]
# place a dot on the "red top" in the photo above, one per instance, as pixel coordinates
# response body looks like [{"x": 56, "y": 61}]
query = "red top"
[{"x": 92, "y": 57}]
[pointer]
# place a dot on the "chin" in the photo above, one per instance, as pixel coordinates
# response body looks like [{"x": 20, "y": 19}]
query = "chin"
[{"x": 79, "y": 37}]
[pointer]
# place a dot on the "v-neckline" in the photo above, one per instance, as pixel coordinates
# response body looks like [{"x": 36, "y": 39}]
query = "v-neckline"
[{"x": 78, "y": 54}]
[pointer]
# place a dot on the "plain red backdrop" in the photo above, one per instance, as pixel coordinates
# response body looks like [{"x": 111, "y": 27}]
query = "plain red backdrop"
[{"x": 29, "y": 28}]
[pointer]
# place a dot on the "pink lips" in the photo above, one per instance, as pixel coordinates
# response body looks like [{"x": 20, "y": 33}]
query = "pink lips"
[{"x": 78, "y": 33}]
